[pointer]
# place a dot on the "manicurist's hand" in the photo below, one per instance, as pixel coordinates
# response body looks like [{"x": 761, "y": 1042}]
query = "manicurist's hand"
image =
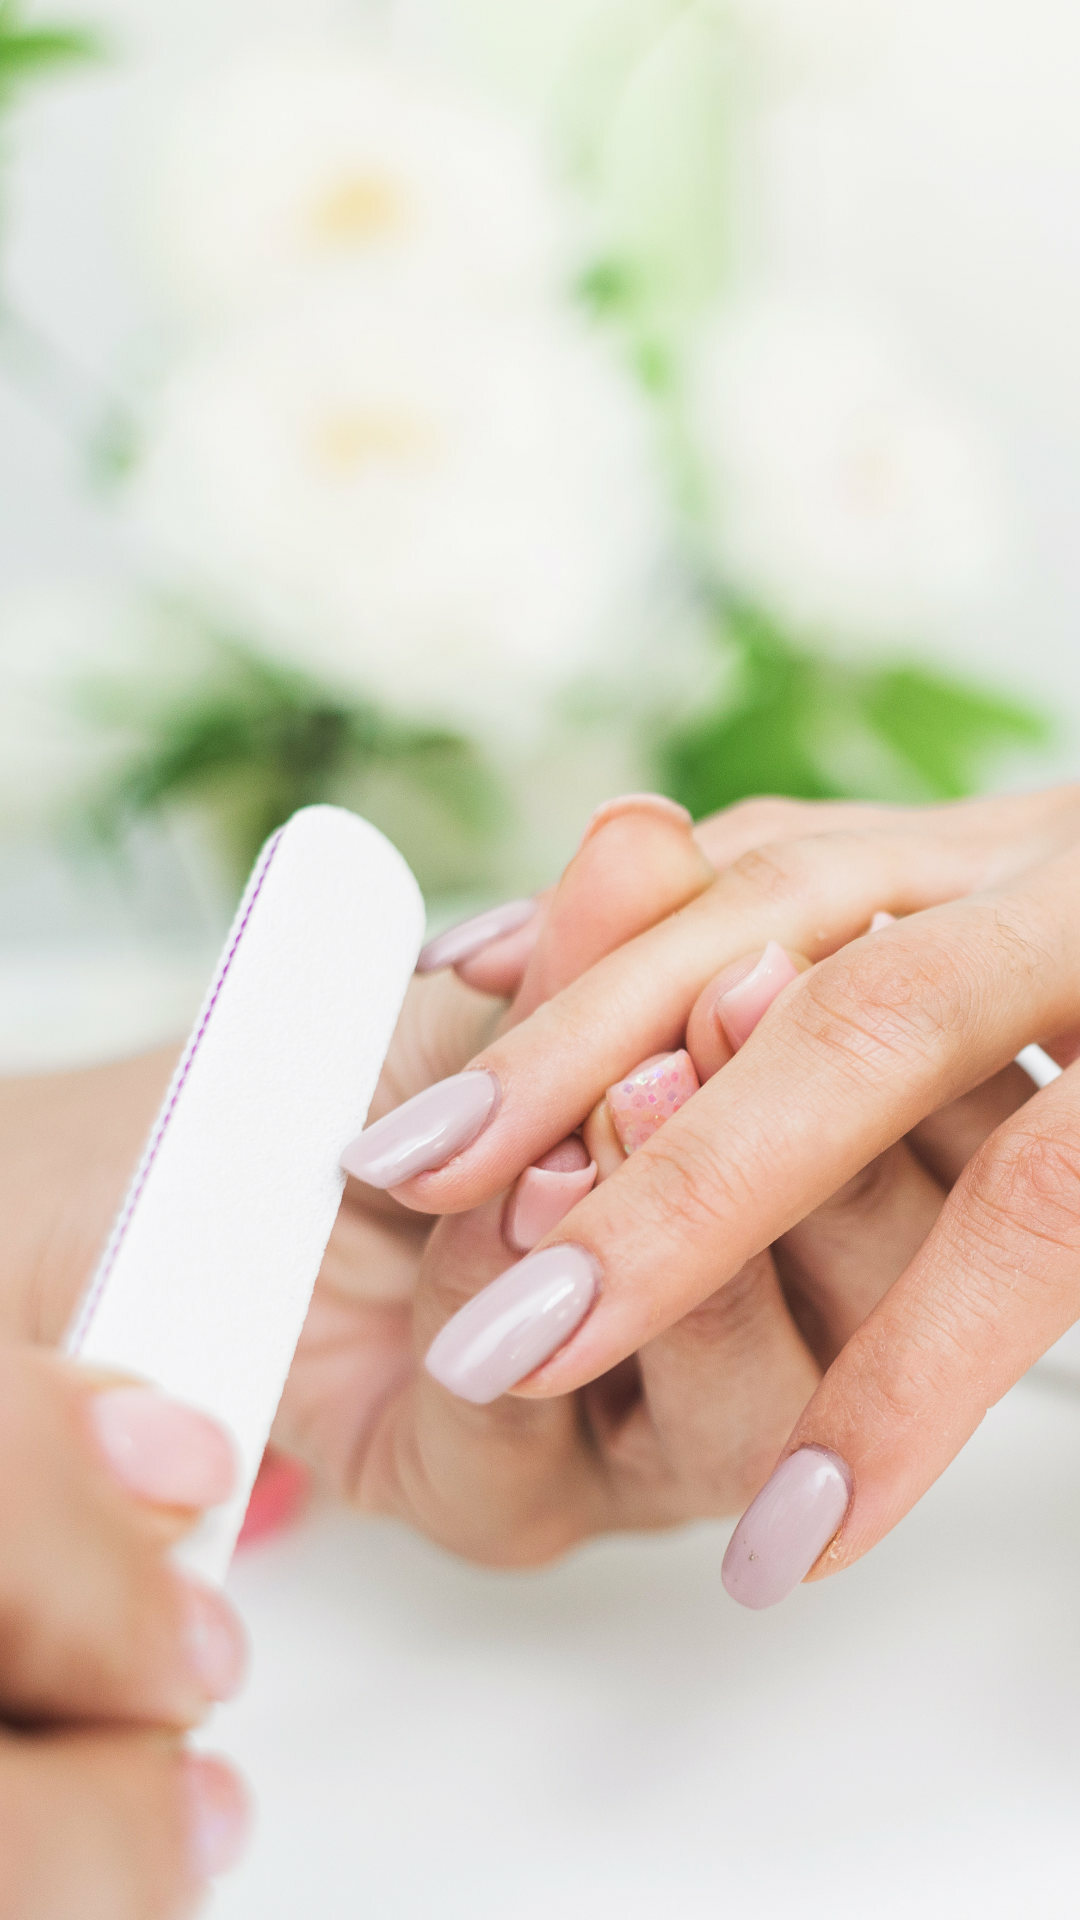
[
  {"x": 884, "y": 1034},
  {"x": 107, "y": 1653}
]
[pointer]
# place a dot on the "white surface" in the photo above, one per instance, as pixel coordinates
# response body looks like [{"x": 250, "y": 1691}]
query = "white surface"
[
  {"x": 615, "y": 1740},
  {"x": 205, "y": 1284}
]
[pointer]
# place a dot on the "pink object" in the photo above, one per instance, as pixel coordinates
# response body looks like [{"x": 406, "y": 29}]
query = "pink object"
[
  {"x": 546, "y": 1192},
  {"x": 425, "y": 1132},
  {"x": 650, "y": 1095},
  {"x": 741, "y": 1003},
  {"x": 882, "y": 919},
  {"x": 163, "y": 1451},
  {"x": 216, "y": 1642},
  {"x": 219, "y": 1816},
  {"x": 514, "y": 1324},
  {"x": 636, "y": 803},
  {"x": 787, "y": 1527},
  {"x": 278, "y": 1498},
  {"x": 470, "y": 936}
]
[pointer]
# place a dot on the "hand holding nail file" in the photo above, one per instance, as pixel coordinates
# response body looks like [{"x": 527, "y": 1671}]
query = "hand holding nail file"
[{"x": 205, "y": 1283}]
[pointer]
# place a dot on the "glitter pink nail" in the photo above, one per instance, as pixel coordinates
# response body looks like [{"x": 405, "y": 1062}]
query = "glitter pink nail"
[{"x": 650, "y": 1095}]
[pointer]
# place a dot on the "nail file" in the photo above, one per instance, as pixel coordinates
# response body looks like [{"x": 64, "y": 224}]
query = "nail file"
[{"x": 205, "y": 1282}]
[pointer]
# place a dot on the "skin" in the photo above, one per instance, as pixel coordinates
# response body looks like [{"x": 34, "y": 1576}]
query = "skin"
[
  {"x": 95, "y": 1686},
  {"x": 902, "y": 1034}
]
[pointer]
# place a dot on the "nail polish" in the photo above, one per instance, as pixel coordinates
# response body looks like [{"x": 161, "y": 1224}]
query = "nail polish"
[
  {"x": 882, "y": 919},
  {"x": 218, "y": 1815},
  {"x": 514, "y": 1324},
  {"x": 216, "y": 1642},
  {"x": 546, "y": 1192},
  {"x": 650, "y": 1095},
  {"x": 787, "y": 1528},
  {"x": 425, "y": 1132},
  {"x": 741, "y": 1004},
  {"x": 656, "y": 803},
  {"x": 160, "y": 1450},
  {"x": 470, "y": 936}
]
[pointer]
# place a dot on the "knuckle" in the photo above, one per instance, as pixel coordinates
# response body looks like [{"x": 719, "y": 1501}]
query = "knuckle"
[
  {"x": 689, "y": 1186},
  {"x": 871, "y": 1005},
  {"x": 778, "y": 872},
  {"x": 1026, "y": 1181}
]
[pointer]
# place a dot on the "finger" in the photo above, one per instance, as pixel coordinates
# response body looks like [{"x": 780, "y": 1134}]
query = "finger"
[
  {"x": 536, "y": 1084},
  {"x": 95, "y": 1485},
  {"x": 482, "y": 1483},
  {"x": 638, "y": 861},
  {"x": 112, "y": 1827},
  {"x": 835, "y": 1265},
  {"x": 946, "y": 1140},
  {"x": 720, "y": 1390},
  {"x": 845, "y": 1062},
  {"x": 992, "y": 1289},
  {"x": 842, "y": 1259}
]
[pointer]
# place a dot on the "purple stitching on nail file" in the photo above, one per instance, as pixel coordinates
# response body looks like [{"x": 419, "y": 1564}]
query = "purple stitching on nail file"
[{"x": 205, "y": 1282}]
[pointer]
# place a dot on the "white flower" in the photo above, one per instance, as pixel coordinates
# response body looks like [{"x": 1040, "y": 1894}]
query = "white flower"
[
  {"x": 413, "y": 498},
  {"x": 839, "y": 493},
  {"x": 292, "y": 161}
]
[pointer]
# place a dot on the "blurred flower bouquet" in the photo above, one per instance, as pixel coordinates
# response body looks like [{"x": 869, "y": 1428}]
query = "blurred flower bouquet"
[{"x": 472, "y": 482}]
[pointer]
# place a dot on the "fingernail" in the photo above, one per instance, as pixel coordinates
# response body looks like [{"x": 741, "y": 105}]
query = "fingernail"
[
  {"x": 650, "y": 1095},
  {"x": 216, "y": 1643},
  {"x": 514, "y": 1324},
  {"x": 882, "y": 919},
  {"x": 787, "y": 1527},
  {"x": 749, "y": 989},
  {"x": 218, "y": 1815},
  {"x": 636, "y": 803},
  {"x": 469, "y": 936},
  {"x": 424, "y": 1133},
  {"x": 546, "y": 1192},
  {"x": 161, "y": 1450}
]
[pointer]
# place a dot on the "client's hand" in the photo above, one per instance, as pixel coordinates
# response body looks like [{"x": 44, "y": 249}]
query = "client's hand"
[
  {"x": 107, "y": 1653},
  {"x": 884, "y": 1033}
]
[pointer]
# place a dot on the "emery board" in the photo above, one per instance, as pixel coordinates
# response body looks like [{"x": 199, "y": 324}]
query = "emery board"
[{"x": 205, "y": 1282}]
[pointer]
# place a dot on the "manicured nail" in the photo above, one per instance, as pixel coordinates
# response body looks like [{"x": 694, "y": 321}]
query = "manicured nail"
[
  {"x": 882, "y": 919},
  {"x": 636, "y": 803},
  {"x": 514, "y": 1324},
  {"x": 217, "y": 1647},
  {"x": 748, "y": 989},
  {"x": 218, "y": 1815},
  {"x": 161, "y": 1450},
  {"x": 424, "y": 1133},
  {"x": 469, "y": 936},
  {"x": 546, "y": 1192},
  {"x": 650, "y": 1095},
  {"x": 787, "y": 1527}
]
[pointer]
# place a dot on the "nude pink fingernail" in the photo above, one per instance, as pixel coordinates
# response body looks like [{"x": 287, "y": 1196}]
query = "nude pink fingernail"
[
  {"x": 546, "y": 1192},
  {"x": 746, "y": 995},
  {"x": 650, "y": 1095},
  {"x": 425, "y": 1132},
  {"x": 787, "y": 1528},
  {"x": 514, "y": 1324},
  {"x": 160, "y": 1450},
  {"x": 218, "y": 1815},
  {"x": 216, "y": 1642},
  {"x": 656, "y": 803},
  {"x": 882, "y": 919},
  {"x": 471, "y": 936}
]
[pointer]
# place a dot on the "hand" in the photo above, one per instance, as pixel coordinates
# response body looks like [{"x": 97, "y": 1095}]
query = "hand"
[
  {"x": 107, "y": 1652},
  {"x": 883, "y": 1032}
]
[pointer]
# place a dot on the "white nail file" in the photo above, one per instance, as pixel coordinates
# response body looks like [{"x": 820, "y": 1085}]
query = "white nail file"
[{"x": 205, "y": 1283}]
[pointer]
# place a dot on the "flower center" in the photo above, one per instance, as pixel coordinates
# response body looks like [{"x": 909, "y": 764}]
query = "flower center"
[
  {"x": 353, "y": 437},
  {"x": 358, "y": 207}
]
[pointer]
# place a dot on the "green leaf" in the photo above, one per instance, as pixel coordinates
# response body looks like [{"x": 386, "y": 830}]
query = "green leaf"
[
  {"x": 803, "y": 724},
  {"x": 28, "y": 51},
  {"x": 946, "y": 728}
]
